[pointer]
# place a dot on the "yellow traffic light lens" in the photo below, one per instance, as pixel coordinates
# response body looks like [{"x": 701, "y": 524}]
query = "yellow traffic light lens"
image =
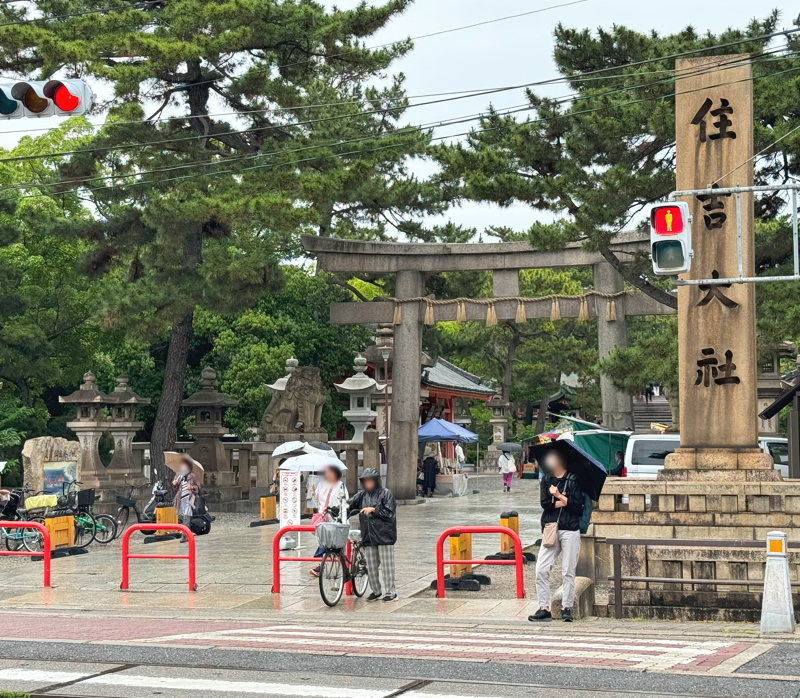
[{"x": 34, "y": 102}]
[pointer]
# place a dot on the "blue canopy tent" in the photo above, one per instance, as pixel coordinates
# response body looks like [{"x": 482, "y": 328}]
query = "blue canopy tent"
[{"x": 437, "y": 430}]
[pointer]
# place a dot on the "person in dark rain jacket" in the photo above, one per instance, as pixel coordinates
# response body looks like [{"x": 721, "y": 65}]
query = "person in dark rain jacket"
[
  {"x": 377, "y": 518},
  {"x": 562, "y": 504}
]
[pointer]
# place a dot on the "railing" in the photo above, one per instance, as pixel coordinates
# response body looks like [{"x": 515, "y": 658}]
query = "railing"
[
  {"x": 45, "y": 544},
  {"x": 617, "y": 577},
  {"x": 276, "y": 554},
  {"x": 458, "y": 530},
  {"x": 190, "y": 555}
]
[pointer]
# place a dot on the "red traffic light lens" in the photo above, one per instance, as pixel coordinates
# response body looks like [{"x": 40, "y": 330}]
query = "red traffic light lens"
[
  {"x": 65, "y": 100},
  {"x": 667, "y": 220}
]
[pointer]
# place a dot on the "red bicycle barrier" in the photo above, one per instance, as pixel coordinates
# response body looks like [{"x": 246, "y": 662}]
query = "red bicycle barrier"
[
  {"x": 277, "y": 559},
  {"x": 45, "y": 544},
  {"x": 458, "y": 530},
  {"x": 190, "y": 554}
]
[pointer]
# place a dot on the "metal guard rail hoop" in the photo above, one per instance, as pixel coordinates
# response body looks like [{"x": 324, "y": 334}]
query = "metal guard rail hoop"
[
  {"x": 277, "y": 559},
  {"x": 190, "y": 554},
  {"x": 618, "y": 578},
  {"x": 45, "y": 544},
  {"x": 518, "y": 560}
]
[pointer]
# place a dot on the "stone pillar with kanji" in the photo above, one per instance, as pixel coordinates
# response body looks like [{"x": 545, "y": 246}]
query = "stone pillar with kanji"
[{"x": 716, "y": 323}]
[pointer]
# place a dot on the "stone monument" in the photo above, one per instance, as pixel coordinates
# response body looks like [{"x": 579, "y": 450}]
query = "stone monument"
[
  {"x": 297, "y": 407},
  {"x": 499, "y": 422},
  {"x": 123, "y": 425},
  {"x": 718, "y": 484},
  {"x": 48, "y": 462}
]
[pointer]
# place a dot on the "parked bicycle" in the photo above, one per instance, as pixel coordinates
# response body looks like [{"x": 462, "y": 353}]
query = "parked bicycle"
[
  {"x": 336, "y": 568},
  {"x": 13, "y": 510},
  {"x": 128, "y": 502},
  {"x": 88, "y": 526}
]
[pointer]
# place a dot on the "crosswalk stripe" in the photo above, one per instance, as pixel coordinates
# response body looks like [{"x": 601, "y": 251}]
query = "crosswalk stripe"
[
  {"x": 204, "y": 686},
  {"x": 41, "y": 675}
]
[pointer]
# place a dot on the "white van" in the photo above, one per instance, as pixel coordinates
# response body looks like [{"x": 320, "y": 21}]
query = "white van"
[{"x": 645, "y": 453}]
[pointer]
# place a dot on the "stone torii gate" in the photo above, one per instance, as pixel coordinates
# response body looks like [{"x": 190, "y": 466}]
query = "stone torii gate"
[{"x": 410, "y": 262}]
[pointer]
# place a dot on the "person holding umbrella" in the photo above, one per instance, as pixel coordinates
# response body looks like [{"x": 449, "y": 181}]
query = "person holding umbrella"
[
  {"x": 188, "y": 474},
  {"x": 506, "y": 463},
  {"x": 569, "y": 476}
]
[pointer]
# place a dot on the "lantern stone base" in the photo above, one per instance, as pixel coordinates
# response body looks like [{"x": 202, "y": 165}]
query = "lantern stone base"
[{"x": 737, "y": 499}]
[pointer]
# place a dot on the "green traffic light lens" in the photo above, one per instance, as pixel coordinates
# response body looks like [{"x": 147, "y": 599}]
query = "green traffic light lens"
[
  {"x": 669, "y": 255},
  {"x": 7, "y": 105}
]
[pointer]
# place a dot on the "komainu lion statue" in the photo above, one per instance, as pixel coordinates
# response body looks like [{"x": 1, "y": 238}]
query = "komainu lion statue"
[{"x": 299, "y": 407}]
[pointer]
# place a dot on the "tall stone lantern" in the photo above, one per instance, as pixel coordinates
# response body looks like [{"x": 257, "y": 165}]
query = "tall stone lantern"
[
  {"x": 209, "y": 406},
  {"x": 89, "y": 425},
  {"x": 499, "y": 422},
  {"x": 123, "y": 426},
  {"x": 361, "y": 388}
]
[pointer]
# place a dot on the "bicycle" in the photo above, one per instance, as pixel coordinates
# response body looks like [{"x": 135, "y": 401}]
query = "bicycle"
[
  {"x": 128, "y": 502},
  {"x": 17, "y": 538},
  {"x": 102, "y": 526},
  {"x": 336, "y": 568}
]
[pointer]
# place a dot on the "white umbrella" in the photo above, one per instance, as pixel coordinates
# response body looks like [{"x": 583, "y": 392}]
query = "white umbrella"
[
  {"x": 289, "y": 447},
  {"x": 311, "y": 463}
]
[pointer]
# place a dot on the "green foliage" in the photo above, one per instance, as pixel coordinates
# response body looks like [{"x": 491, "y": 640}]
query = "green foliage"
[
  {"x": 251, "y": 348},
  {"x": 526, "y": 361}
]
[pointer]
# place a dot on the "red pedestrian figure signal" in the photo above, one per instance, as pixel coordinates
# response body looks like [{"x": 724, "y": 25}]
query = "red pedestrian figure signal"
[
  {"x": 667, "y": 220},
  {"x": 670, "y": 238}
]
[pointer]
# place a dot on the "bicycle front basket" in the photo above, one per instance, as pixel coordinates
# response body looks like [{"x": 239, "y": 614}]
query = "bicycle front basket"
[
  {"x": 86, "y": 498},
  {"x": 332, "y": 536}
]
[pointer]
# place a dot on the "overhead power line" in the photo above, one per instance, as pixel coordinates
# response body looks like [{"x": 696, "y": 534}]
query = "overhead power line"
[
  {"x": 411, "y": 130},
  {"x": 722, "y": 65}
]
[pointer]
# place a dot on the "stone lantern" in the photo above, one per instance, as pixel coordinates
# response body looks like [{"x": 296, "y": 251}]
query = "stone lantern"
[
  {"x": 89, "y": 425},
  {"x": 361, "y": 388},
  {"x": 123, "y": 426},
  {"x": 209, "y": 405},
  {"x": 499, "y": 422}
]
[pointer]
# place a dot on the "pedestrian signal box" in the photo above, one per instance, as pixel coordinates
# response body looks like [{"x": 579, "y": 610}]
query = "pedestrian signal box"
[
  {"x": 671, "y": 238},
  {"x": 36, "y": 98}
]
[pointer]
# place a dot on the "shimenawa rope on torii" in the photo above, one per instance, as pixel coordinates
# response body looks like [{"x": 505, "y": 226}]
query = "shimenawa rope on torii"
[{"x": 491, "y": 315}]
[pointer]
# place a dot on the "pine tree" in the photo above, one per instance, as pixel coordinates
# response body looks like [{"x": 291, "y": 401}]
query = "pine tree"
[{"x": 214, "y": 154}]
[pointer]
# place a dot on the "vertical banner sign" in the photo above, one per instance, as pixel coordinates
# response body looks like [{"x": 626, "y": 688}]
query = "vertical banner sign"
[
  {"x": 290, "y": 506},
  {"x": 716, "y": 324}
]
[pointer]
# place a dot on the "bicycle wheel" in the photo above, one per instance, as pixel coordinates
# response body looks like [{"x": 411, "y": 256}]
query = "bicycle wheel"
[
  {"x": 85, "y": 529},
  {"x": 122, "y": 518},
  {"x": 32, "y": 540},
  {"x": 358, "y": 571},
  {"x": 105, "y": 528},
  {"x": 13, "y": 538},
  {"x": 331, "y": 578}
]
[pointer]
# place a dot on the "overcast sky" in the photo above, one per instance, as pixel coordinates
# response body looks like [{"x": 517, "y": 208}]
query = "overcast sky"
[{"x": 516, "y": 51}]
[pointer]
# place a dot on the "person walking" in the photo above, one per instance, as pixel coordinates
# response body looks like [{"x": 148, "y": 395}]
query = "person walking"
[
  {"x": 562, "y": 504},
  {"x": 430, "y": 468},
  {"x": 508, "y": 467},
  {"x": 329, "y": 492},
  {"x": 377, "y": 518},
  {"x": 187, "y": 486}
]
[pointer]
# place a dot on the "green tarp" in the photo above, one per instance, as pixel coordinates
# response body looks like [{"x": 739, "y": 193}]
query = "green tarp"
[{"x": 602, "y": 445}]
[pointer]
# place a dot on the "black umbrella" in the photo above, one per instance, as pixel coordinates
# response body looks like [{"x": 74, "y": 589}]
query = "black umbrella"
[
  {"x": 509, "y": 447},
  {"x": 590, "y": 473}
]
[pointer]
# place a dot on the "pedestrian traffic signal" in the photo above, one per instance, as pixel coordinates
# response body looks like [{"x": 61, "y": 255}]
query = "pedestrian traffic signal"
[
  {"x": 671, "y": 238},
  {"x": 34, "y": 98}
]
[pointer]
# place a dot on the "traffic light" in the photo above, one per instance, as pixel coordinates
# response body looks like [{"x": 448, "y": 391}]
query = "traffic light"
[
  {"x": 671, "y": 238},
  {"x": 34, "y": 98}
]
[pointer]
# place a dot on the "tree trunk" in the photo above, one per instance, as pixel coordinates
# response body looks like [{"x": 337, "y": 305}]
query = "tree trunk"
[
  {"x": 544, "y": 405},
  {"x": 165, "y": 426},
  {"x": 165, "y": 429}
]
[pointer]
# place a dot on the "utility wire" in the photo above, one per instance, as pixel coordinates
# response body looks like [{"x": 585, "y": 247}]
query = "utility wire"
[
  {"x": 218, "y": 136},
  {"x": 564, "y": 100},
  {"x": 361, "y": 151}
]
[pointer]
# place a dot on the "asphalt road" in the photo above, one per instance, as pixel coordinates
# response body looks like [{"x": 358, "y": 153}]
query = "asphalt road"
[{"x": 110, "y": 670}]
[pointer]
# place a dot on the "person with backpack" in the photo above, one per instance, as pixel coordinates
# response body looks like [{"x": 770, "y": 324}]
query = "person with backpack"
[{"x": 562, "y": 502}]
